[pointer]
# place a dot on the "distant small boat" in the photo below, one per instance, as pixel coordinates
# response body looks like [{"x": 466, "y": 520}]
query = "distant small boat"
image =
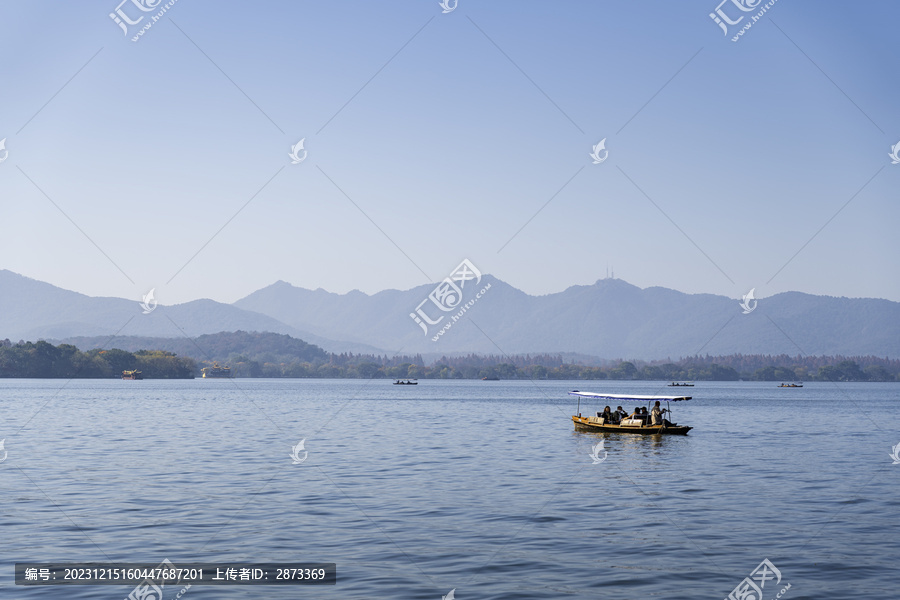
[
  {"x": 406, "y": 382},
  {"x": 216, "y": 371},
  {"x": 490, "y": 379},
  {"x": 132, "y": 375},
  {"x": 791, "y": 385},
  {"x": 682, "y": 384}
]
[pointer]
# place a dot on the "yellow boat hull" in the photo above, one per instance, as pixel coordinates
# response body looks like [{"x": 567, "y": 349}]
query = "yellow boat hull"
[{"x": 582, "y": 424}]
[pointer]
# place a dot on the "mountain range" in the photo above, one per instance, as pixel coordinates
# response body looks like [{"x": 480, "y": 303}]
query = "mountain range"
[{"x": 609, "y": 319}]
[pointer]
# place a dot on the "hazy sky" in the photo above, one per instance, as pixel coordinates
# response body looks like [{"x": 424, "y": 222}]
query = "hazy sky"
[{"x": 435, "y": 137}]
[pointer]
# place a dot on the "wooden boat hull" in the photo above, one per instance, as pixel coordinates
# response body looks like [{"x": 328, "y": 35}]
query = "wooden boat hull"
[{"x": 582, "y": 424}]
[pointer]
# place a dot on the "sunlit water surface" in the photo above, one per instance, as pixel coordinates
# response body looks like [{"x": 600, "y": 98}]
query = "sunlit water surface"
[{"x": 479, "y": 486}]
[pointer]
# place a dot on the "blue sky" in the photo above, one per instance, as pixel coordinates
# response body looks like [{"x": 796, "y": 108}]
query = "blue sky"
[{"x": 435, "y": 137}]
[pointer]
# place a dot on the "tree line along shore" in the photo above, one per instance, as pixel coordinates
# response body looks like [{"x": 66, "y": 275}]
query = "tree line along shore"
[{"x": 42, "y": 359}]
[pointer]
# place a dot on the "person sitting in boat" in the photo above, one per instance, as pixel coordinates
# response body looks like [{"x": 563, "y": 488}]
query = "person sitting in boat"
[
  {"x": 621, "y": 413},
  {"x": 656, "y": 415},
  {"x": 606, "y": 415},
  {"x": 615, "y": 417}
]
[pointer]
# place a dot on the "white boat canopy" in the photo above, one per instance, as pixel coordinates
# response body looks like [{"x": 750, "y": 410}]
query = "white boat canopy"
[{"x": 626, "y": 396}]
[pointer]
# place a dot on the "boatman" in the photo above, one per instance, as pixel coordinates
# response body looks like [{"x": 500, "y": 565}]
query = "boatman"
[{"x": 656, "y": 415}]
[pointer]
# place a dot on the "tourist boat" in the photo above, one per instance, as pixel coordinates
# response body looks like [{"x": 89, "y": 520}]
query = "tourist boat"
[
  {"x": 627, "y": 425},
  {"x": 682, "y": 384},
  {"x": 406, "y": 382},
  {"x": 791, "y": 385},
  {"x": 132, "y": 375},
  {"x": 492, "y": 378},
  {"x": 215, "y": 371}
]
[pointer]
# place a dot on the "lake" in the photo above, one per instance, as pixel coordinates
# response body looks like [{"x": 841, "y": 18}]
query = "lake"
[{"x": 482, "y": 487}]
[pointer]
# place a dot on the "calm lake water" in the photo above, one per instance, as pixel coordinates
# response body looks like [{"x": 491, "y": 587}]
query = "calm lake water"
[{"x": 479, "y": 486}]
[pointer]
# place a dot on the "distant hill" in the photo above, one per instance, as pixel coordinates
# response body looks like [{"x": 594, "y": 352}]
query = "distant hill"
[
  {"x": 609, "y": 319},
  {"x": 32, "y": 310},
  {"x": 261, "y": 347}
]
